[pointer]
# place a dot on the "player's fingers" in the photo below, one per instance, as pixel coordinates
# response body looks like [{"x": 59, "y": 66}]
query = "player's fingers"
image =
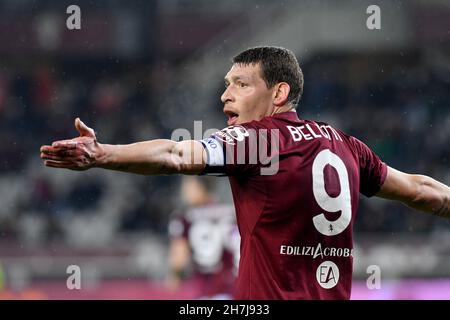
[
  {"x": 66, "y": 144},
  {"x": 50, "y": 156},
  {"x": 63, "y": 152},
  {"x": 50, "y": 149},
  {"x": 62, "y": 156},
  {"x": 83, "y": 129},
  {"x": 57, "y": 151},
  {"x": 47, "y": 149},
  {"x": 60, "y": 164}
]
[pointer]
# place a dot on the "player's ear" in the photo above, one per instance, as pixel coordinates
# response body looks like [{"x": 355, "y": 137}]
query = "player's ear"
[{"x": 281, "y": 94}]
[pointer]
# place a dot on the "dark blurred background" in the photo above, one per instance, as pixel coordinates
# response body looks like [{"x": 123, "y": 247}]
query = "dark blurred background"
[{"x": 138, "y": 70}]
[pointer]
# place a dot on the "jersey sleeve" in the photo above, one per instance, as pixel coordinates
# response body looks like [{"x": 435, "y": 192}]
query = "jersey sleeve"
[
  {"x": 238, "y": 150},
  {"x": 371, "y": 169}
]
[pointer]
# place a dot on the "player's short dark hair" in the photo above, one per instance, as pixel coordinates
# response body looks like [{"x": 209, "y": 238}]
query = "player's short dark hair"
[{"x": 277, "y": 65}]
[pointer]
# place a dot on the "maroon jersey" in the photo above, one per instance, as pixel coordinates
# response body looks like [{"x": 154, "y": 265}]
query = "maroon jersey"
[
  {"x": 213, "y": 239},
  {"x": 295, "y": 186}
]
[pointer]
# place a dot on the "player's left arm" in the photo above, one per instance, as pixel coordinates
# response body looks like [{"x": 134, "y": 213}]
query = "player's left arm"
[{"x": 417, "y": 191}]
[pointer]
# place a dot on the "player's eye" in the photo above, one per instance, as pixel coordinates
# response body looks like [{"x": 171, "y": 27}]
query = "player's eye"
[{"x": 242, "y": 84}]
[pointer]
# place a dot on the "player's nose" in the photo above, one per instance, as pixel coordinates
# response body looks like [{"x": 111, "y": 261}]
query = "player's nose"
[{"x": 226, "y": 96}]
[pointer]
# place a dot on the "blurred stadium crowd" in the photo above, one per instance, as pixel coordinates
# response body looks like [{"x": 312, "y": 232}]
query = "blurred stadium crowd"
[{"x": 397, "y": 101}]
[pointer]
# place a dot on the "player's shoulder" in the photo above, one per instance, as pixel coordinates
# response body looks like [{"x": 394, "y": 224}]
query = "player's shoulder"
[
  {"x": 283, "y": 119},
  {"x": 326, "y": 125}
]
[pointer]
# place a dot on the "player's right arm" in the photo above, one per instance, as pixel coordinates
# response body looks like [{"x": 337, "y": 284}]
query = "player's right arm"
[
  {"x": 148, "y": 157},
  {"x": 417, "y": 191}
]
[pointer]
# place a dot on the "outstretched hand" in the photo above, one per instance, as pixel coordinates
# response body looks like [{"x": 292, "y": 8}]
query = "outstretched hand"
[{"x": 78, "y": 153}]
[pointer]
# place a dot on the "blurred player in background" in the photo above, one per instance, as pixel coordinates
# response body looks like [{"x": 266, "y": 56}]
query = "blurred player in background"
[
  {"x": 204, "y": 246},
  {"x": 295, "y": 222}
]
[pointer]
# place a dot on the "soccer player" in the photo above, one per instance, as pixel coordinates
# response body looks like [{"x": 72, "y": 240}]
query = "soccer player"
[
  {"x": 205, "y": 240},
  {"x": 296, "y": 207}
]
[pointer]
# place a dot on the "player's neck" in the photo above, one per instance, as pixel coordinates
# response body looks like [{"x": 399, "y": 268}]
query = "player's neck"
[{"x": 285, "y": 108}]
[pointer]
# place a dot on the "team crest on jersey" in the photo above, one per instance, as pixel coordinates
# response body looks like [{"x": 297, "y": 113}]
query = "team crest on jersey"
[{"x": 232, "y": 134}]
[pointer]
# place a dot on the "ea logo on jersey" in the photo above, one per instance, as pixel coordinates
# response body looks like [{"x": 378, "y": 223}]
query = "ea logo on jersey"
[{"x": 327, "y": 274}]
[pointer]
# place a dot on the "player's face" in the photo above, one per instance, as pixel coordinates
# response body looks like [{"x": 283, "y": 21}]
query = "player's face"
[{"x": 246, "y": 96}]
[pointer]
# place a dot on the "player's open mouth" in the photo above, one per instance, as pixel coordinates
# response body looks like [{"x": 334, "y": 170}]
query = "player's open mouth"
[{"x": 232, "y": 117}]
